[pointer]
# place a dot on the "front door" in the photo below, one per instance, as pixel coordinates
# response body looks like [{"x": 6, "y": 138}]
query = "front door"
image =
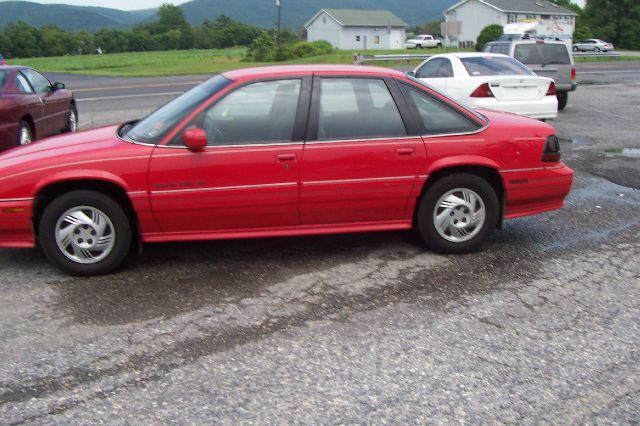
[{"x": 246, "y": 179}]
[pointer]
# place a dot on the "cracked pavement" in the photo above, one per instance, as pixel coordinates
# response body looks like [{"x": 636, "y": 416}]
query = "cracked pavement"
[{"x": 541, "y": 326}]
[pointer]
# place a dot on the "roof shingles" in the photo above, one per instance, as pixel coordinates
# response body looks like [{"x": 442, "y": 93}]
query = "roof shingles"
[{"x": 365, "y": 18}]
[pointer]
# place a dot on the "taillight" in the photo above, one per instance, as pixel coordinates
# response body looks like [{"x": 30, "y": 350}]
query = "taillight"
[
  {"x": 483, "y": 91},
  {"x": 551, "y": 152},
  {"x": 573, "y": 74},
  {"x": 552, "y": 89}
]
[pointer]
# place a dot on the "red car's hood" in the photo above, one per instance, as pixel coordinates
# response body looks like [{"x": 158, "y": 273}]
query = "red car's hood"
[{"x": 63, "y": 145}]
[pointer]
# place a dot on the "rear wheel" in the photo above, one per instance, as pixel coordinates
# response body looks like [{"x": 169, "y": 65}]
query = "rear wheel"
[
  {"x": 25, "y": 134},
  {"x": 85, "y": 233},
  {"x": 596, "y": 49},
  {"x": 574, "y": 48},
  {"x": 563, "y": 97},
  {"x": 457, "y": 213}
]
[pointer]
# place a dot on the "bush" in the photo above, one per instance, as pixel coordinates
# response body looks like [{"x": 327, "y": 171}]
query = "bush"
[
  {"x": 304, "y": 49},
  {"x": 489, "y": 33},
  {"x": 262, "y": 49}
]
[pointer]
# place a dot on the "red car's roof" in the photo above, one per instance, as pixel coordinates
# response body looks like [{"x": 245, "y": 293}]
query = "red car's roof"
[{"x": 280, "y": 70}]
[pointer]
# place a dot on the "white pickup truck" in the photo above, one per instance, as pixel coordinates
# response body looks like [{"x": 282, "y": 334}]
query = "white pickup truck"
[{"x": 423, "y": 40}]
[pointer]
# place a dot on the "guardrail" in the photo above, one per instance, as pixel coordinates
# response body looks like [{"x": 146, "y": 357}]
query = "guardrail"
[{"x": 359, "y": 58}]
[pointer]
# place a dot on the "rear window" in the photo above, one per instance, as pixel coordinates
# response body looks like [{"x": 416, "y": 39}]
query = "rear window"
[
  {"x": 497, "y": 48},
  {"x": 494, "y": 65},
  {"x": 539, "y": 53},
  {"x": 3, "y": 79}
]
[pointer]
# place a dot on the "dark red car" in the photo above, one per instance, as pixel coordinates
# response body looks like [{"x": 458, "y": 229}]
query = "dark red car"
[
  {"x": 31, "y": 107},
  {"x": 281, "y": 151}
]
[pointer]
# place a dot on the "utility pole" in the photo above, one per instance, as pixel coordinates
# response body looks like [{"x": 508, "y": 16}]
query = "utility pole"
[{"x": 278, "y": 5}]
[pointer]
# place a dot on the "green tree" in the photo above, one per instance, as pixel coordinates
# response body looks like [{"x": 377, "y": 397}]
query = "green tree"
[
  {"x": 262, "y": 48},
  {"x": 489, "y": 33},
  {"x": 111, "y": 41},
  {"x": 24, "y": 41}
]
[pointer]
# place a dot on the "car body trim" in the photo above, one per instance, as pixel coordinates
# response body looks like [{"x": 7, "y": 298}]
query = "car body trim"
[
  {"x": 442, "y": 135},
  {"x": 323, "y": 182},
  {"x": 250, "y": 145},
  {"x": 15, "y": 200},
  {"x": 224, "y": 188},
  {"x": 534, "y": 169},
  {"x": 381, "y": 139}
]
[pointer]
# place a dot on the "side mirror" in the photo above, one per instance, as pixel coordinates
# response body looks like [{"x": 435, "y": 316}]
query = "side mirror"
[
  {"x": 58, "y": 86},
  {"x": 411, "y": 73},
  {"x": 194, "y": 138}
]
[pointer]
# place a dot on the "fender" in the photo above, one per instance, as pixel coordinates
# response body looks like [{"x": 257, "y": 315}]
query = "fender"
[
  {"x": 459, "y": 161},
  {"x": 77, "y": 175}
]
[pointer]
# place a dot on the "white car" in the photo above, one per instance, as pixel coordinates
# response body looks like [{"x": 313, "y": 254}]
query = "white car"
[
  {"x": 492, "y": 81},
  {"x": 593, "y": 44}
]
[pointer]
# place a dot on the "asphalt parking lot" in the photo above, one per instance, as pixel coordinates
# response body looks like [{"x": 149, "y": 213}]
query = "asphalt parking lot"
[{"x": 541, "y": 326}]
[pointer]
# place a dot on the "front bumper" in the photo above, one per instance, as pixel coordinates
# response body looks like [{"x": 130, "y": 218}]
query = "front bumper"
[{"x": 16, "y": 229}]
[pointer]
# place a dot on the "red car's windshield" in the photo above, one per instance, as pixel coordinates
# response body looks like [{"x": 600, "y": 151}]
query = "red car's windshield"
[{"x": 157, "y": 124}]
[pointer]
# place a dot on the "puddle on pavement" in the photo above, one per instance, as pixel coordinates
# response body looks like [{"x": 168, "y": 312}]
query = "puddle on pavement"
[
  {"x": 624, "y": 152},
  {"x": 579, "y": 141}
]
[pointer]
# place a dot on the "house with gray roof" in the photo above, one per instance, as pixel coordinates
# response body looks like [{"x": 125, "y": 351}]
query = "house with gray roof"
[
  {"x": 474, "y": 15},
  {"x": 351, "y": 29}
]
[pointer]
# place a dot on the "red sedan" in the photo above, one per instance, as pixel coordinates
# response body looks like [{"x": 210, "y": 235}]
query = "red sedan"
[
  {"x": 281, "y": 151},
  {"x": 31, "y": 107}
]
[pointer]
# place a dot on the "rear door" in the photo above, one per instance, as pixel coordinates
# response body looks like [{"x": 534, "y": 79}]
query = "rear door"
[{"x": 359, "y": 163}]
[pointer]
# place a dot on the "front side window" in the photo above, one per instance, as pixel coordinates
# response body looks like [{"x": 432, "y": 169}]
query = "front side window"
[
  {"x": 436, "y": 117},
  {"x": 352, "y": 108},
  {"x": 261, "y": 112},
  {"x": 40, "y": 83},
  {"x": 494, "y": 65},
  {"x": 436, "y": 68},
  {"x": 160, "y": 122},
  {"x": 23, "y": 85}
]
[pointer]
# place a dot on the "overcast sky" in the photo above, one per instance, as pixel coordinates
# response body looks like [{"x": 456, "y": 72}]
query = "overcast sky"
[
  {"x": 142, "y": 4},
  {"x": 115, "y": 4}
]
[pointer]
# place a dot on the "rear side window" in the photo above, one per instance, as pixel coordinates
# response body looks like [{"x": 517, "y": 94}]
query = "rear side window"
[
  {"x": 494, "y": 65},
  {"x": 436, "y": 68},
  {"x": 3, "y": 79},
  {"x": 435, "y": 116},
  {"x": 352, "y": 108},
  {"x": 23, "y": 85},
  {"x": 542, "y": 54}
]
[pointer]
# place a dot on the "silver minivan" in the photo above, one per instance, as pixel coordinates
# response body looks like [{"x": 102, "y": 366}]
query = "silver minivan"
[{"x": 548, "y": 58}]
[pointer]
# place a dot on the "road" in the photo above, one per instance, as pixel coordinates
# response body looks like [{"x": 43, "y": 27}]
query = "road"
[{"x": 541, "y": 326}]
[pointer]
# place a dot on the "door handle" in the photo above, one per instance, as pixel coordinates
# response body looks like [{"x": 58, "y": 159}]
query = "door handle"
[
  {"x": 286, "y": 157},
  {"x": 405, "y": 151}
]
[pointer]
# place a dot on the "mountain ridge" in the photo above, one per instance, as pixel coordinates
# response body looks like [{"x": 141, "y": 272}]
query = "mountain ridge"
[{"x": 260, "y": 13}]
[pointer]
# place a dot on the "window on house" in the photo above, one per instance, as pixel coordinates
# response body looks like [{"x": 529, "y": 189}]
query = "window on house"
[
  {"x": 376, "y": 39},
  {"x": 357, "y": 38},
  {"x": 324, "y": 19}
]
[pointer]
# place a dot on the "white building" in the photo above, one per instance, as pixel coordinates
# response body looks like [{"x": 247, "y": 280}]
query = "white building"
[
  {"x": 474, "y": 15},
  {"x": 357, "y": 29}
]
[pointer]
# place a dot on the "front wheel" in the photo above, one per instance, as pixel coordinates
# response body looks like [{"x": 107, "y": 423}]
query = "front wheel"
[
  {"x": 85, "y": 233},
  {"x": 72, "y": 120},
  {"x": 575, "y": 48},
  {"x": 25, "y": 134},
  {"x": 457, "y": 213},
  {"x": 596, "y": 49}
]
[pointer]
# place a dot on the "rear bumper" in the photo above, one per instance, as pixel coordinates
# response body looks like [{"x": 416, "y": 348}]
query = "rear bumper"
[
  {"x": 534, "y": 191},
  {"x": 545, "y": 108},
  {"x": 15, "y": 223}
]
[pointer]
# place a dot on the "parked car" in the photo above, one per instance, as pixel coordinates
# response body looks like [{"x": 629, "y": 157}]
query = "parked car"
[
  {"x": 423, "y": 41},
  {"x": 2, "y": 60},
  {"x": 593, "y": 45},
  {"x": 281, "y": 151},
  {"x": 546, "y": 58},
  {"x": 491, "y": 80},
  {"x": 31, "y": 107}
]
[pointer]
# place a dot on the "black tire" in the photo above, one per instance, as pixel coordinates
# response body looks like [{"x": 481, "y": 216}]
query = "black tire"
[
  {"x": 428, "y": 208},
  {"x": 116, "y": 231},
  {"x": 596, "y": 49},
  {"x": 73, "y": 111},
  {"x": 574, "y": 48},
  {"x": 418, "y": 46},
  {"x": 439, "y": 46},
  {"x": 563, "y": 98},
  {"x": 24, "y": 127}
]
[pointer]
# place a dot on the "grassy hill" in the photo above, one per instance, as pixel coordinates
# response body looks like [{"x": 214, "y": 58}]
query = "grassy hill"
[
  {"x": 71, "y": 18},
  {"x": 260, "y": 13}
]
